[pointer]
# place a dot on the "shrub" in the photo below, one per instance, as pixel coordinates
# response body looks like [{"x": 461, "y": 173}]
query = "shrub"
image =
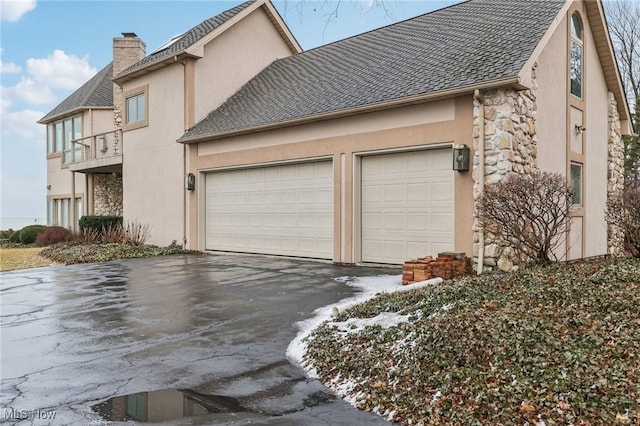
[
  {"x": 86, "y": 236},
  {"x": 99, "y": 223},
  {"x": 129, "y": 233},
  {"x": 53, "y": 235},
  {"x": 15, "y": 237},
  {"x": 136, "y": 233},
  {"x": 4, "y": 235},
  {"x": 28, "y": 234},
  {"x": 623, "y": 211},
  {"x": 530, "y": 212}
]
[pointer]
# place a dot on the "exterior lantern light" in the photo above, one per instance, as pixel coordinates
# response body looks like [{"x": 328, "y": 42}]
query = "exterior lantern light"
[
  {"x": 460, "y": 158},
  {"x": 190, "y": 182}
]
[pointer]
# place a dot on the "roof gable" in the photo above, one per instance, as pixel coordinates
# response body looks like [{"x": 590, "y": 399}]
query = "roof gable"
[
  {"x": 95, "y": 93},
  {"x": 189, "y": 43},
  {"x": 464, "y": 45}
]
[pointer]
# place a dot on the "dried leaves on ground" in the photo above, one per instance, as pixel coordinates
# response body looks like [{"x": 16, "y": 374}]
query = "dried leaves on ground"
[{"x": 542, "y": 346}]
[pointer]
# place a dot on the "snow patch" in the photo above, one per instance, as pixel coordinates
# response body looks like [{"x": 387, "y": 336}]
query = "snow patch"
[
  {"x": 384, "y": 320},
  {"x": 369, "y": 287}
]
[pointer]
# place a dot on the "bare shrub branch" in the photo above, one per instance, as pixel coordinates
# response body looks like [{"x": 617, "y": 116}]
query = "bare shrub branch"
[
  {"x": 623, "y": 211},
  {"x": 530, "y": 213}
]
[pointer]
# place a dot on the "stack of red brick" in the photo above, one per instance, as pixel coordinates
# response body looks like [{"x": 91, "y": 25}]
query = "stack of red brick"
[{"x": 446, "y": 266}]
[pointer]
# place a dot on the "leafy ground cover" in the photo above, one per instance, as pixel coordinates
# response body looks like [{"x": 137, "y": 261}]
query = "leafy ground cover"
[
  {"x": 553, "y": 345},
  {"x": 69, "y": 253},
  {"x": 21, "y": 258}
]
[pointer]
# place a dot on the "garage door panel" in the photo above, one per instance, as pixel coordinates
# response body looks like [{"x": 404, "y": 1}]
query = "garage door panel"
[
  {"x": 407, "y": 205},
  {"x": 286, "y": 210}
]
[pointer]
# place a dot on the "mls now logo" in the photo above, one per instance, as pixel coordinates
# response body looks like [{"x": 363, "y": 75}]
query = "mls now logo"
[{"x": 22, "y": 414}]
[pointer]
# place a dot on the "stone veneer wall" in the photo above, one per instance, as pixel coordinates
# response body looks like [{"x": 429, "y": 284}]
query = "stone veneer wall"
[
  {"x": 510, "y": 147},
  {"x": 615, "y": 174},
  {"x": 107, "y": 194}
]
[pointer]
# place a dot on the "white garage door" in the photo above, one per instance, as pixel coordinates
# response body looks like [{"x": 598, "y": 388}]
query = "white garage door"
[
  {"x": 407, "y": 205},
  {"x": 283, "y": 210}
]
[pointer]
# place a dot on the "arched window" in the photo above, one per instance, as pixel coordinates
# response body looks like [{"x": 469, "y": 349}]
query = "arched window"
[{"x": 576, "y": 63}]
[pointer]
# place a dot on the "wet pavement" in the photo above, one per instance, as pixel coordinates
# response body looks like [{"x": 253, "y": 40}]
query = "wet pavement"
[{"x": 200, "y": 335}]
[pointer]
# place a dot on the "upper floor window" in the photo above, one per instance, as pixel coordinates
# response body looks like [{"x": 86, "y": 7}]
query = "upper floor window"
[
  {"x": 576, "y": 62},
  {"x": 136, "y": 108},
  {"x": 61, "y": 133}
]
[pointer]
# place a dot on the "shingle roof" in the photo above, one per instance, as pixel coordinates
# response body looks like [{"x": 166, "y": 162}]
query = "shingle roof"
[
  {"x": 97, "y": 92},
  {"x": 474, "y": 42},
  {"x": 189, "y": 38}
]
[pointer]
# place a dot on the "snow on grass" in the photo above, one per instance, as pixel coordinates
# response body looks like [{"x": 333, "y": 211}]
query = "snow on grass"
[
  {"x": 384, "y": 320},
  {"x": 369, "y": 287}
]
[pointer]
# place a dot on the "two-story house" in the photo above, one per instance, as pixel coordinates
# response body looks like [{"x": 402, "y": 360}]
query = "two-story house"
[
  {"x": 346, "y": 152},
  {"x": 111, "y": 145}
]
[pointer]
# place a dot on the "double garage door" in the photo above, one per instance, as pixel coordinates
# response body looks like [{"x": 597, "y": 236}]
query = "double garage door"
[
  {"x": 406, "y": 208},
  {"x": 284, "y": 210}
]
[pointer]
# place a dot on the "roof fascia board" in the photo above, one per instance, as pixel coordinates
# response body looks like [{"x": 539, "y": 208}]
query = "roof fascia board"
[
  {"x": 197, "y": 48},
  {"x": 282, "y": 27},
  {"x": 72, "y": 112},
  {"x": 152, "y": 66},
  {"x": 510, "y": 81},
  {"x": 606, "y": 53},
  {"x": 593, "y": 7}
]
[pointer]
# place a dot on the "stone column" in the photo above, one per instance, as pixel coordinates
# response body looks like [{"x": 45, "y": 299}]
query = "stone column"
[
  {"x": 510, "y": 147},
  {"x": 615, "y": 175}
]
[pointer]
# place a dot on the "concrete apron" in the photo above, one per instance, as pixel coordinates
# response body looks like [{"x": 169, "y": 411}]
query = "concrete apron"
[{"x": 202, "y": 335}]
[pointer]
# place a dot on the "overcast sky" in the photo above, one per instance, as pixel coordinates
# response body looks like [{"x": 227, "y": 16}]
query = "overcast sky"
[{"x": 50, "y": 48}]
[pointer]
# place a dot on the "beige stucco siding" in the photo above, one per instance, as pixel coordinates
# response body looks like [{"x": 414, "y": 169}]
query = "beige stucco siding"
[
  {"x": 153, "y": 161},
  {"x": 233, "y": 58},
  {"x": 552, "y": 99},
  {"x": 596, "y": 137},
  {"x": 559, "y": 144},
  {"x": 344, "y": 140}
]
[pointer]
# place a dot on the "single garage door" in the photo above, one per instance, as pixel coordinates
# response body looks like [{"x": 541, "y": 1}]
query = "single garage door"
[
  {"x": 282, "y": 210},
  {"x": 407, "y": 205}
]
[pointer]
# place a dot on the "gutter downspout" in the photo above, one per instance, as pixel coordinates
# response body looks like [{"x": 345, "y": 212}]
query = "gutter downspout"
[{"x": 478, "y": 96}]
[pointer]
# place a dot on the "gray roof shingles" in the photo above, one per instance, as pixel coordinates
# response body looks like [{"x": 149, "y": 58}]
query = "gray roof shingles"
[
  {"x": 97, "y": 92},
  {"x": 189, "y": 38},
  {"x": 475, "y": 42}
]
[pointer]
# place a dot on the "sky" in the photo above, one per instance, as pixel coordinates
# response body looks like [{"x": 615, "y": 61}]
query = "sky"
[{"x": 49, "y": 48}]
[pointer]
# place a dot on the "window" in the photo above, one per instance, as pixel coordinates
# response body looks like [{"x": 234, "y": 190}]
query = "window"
[
  {"x": 51, "y": 147},
  {"x": 77, "y": 134},
  {"x": 576, "y": 61},
  {"x": 576, "y": 182},
  {"x": 59, "y": 137},
  {"x": 59, "y": 211},
  {"x": 136, "y": 108},
  {"x": 50, "y": 220}
]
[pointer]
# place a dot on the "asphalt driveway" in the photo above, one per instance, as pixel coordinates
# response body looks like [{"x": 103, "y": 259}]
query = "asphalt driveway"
[{"x": 190, "y": 333}]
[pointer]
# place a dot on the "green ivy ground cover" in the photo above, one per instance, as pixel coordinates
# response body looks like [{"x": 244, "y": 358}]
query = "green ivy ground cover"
[
  {"x": 543, "y": 346},
  {"x": 69, "y": 253}
]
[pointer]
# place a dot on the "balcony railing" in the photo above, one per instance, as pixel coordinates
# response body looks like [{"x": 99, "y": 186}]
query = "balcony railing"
[{"x": 99, "y": 150}]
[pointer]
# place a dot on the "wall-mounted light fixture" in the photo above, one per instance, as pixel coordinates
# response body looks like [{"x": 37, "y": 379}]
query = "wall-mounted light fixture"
[
  {"x": 49, "y": 187},
  {"x": 460, "y": 158},
  {"x": 580, "y": 129},
  {"x": 190, "y": 182},
  {"x": 103, "y": 143}
]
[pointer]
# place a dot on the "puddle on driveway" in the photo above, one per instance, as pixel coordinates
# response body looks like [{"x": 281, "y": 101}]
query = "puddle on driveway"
[{"x": 165, "y": 405}]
